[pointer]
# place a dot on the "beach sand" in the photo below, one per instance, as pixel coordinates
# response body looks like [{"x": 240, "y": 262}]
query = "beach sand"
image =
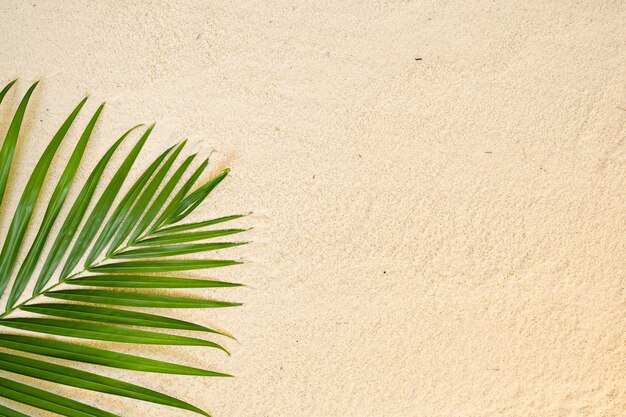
[{"x": 438, "y": 192}]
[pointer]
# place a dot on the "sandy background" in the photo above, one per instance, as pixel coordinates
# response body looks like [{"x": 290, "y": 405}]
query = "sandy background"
[{"x": 434, "y": 237}]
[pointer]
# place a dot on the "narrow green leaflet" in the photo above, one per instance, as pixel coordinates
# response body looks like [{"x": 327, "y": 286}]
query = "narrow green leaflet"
[
  {"x": 159, "y": 201},
  {"x": 113, "y": 316},
  {"x": 178, "y": 197},
  {"x": 147, "y": 281},
  {"x": 142, "y": 202},
  {"x": 75, "y": 215},
  {"x": 26, "y": 205},
  {"x": 187, "y": 237},
  {"x": 197, "y": 197},
  {"x": 96, "y": 331},
  {"x": 196, "y": 225},
  {"x": 86, "y": 380},
  {"x": 133, "y": 267},
  {"x": 136, "y": 299},
  {"x": 10, "y": 141},
  {"x": 174, "y": 250},
  {"x": 46, "y": 400},
  {"x": 54, "y": 206},
  {"x": 99, "y": 212},
  {"x": 87, "y": 354},
  {"x": 122, "y": 209}
]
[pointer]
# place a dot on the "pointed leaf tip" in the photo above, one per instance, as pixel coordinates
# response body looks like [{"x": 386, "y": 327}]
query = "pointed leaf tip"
[{"x": 9, "y": 85}]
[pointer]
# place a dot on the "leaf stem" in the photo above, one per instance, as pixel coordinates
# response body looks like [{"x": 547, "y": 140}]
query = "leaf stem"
[
  {"x": 129, "y": 245},
  {"x": 44, "y": 292},
  {"x": 15, "y": 307}
]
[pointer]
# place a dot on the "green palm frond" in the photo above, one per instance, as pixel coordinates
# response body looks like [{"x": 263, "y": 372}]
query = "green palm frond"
[{"x": 103, "y": 259}]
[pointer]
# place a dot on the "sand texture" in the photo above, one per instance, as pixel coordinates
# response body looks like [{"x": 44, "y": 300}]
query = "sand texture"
[{"x": 438, "y": 191}]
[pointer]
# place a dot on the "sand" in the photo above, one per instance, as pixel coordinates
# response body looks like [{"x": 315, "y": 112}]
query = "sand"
[{"x": 438, "y": 192}]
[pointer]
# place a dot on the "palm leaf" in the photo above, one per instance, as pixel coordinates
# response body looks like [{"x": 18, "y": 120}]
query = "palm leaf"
[{"x": 120, "y": 247}]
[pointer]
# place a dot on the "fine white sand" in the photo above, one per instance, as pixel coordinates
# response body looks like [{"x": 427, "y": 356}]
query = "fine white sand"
[{"x": 438, "y": 192}]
